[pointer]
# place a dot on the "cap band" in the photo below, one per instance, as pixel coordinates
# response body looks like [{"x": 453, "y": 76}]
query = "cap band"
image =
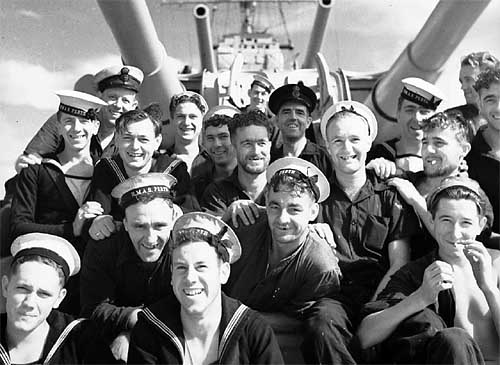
[
  {"x": 39, "y": 251},
  {"x": 197, "y": 233},
  {"x": 124, "y": 80},
  {"x": 89, "y": 114},
  {"x": 311, "y": 181},
  {"x": 261, "y": 84},
  {"x": 135, "y": 195},
  {"x": 353, "y": 111},
  {"x": 419, "y": 99}
]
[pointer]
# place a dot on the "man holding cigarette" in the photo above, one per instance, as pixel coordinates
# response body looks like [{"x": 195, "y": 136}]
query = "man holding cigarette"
[{"x": 445, "y": 306}]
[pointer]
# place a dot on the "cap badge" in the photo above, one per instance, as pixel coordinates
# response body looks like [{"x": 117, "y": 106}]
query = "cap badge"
[
  {"x": 296, "y": 92},
  {"x": 124, "y": 74}
]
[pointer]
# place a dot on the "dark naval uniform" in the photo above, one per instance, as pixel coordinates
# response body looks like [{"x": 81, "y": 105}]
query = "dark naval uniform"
[
  {"x": 44, "y": 203},
  {"x": 69, "y": 341},
  {"x": 362, "y": 230},
  {"x": 109, "y": 172},
  {"x": 298, "y": 286},
  {"x": 485, "y": 169},
  {"x": 244, "y": 336},
  {"x": 364, "y": 227},
  {"x": 313, "y": 153},
  {"x": 219, "y": 195},
  {"x": 115, "y": 282},
  {"x": 308, "y": 274}
]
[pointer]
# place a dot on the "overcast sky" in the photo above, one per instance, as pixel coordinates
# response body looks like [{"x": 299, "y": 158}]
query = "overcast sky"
[{"x": 46, "y": 45}]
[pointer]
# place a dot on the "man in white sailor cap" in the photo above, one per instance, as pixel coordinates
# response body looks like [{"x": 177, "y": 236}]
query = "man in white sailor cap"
[
  {"x": 291, "y": 270},
  {"x": 202, "y": 325},
  {"x": 370, "y": 221},
  {"x": 65, "y": 174},
  {"x": 49, "y": 197},
  {"x": 31, "y": 330},
  {"x": 418, "y": 100},
  {"x": 129, "y": 269},
  {"x": 118, "y": 86}
]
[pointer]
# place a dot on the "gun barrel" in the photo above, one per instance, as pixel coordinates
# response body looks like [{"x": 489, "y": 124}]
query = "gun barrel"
[
  {"x": 318, "y": 32},
  {"x": 134, "y": 31},
  {"x": 424, "y": 57},
  {"x": 207, "y": 58}
]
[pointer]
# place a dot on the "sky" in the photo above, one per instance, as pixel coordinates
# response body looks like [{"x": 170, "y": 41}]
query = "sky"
[{"x": 47, "y": 45}]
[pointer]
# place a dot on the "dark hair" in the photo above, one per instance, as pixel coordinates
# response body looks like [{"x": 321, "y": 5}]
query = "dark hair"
[
  {"x": 193, "y": 234},
  {"x": 486, "y": 78},
  {"x": 186, "y": 97},
  {"x": 457, "y": 193},
  {"x": 483, "y": 60},
  {"x": 246, "y": 119},
  {"x": 453, "y": 120},
  {"x": 217, "y": 120},
  {"x": 134, "y": 116},
  {"x": 290, "y": 183},
  {"x": 41, "y": 259}
]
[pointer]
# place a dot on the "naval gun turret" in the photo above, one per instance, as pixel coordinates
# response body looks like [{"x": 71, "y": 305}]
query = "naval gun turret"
[
  {"x": 205, "y": 43},
  {"x": 424, "y": 57},
  {"x": 135, "y": 34}
]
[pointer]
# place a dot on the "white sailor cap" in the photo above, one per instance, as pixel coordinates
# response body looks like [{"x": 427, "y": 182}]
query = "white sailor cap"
[
  {"x": 154, "y": 184},
  {"x": 227, "y": 110},
  {"x": 262, "y": 81},
  {"x": 188, "y": 96},
  {"x": 119, "y": 76},
  {"x": 202, "y": 226},
  {"x": 421, "y": 92},
  {"x": 304, "y": 170},
  {"x": 47, "y": 245},
  {"x": 354, "y": 107},
  {"x": 79, "y": 104}
]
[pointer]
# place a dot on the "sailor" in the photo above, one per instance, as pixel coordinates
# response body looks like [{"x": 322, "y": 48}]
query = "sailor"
[
  {"x": 128, "y": 270},
  {"x": 291, "y": 270},
  {"x": 293, "y": 105},
  {"x": 118, "y": 86},
  {"x": 445, "y": 143},
  {"x": 418, "y": 100},
  {"x": 259, "y": 92},
  {"x": 240, "y": 194},
  {"x": 49, "y": 197},
  {"x": 217, "y": 143},
  {"x": 186, "y": 112},
  {"x": 471, "y": 66},
  {"x": 445, "y": 307},
  {"x": 484, "y": 158},
  {"x": 370, "y": 221},
  {"x": 202, "y": 325},
  {"x": 32, "y": 331},
  {"x": 137, "y": 138}
]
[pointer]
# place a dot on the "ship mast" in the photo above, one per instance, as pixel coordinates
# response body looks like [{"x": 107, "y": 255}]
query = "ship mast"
[{"x": 248, "y": 14}]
